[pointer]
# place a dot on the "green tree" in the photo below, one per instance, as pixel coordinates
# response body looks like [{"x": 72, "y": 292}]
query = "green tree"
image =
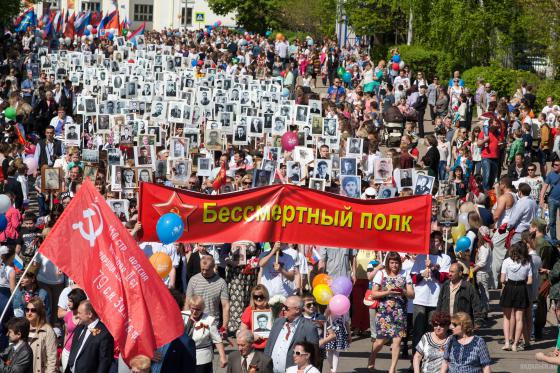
[
  {"x": 10, "y": 10},
  {"x": 253, "y": 15}
]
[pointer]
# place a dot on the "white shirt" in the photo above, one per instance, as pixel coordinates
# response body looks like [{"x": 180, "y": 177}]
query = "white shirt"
[
  {"x": 426, "y": 293},
  {"x": 88, "y": 330},
  {"x": 516, "y": 271},
  {"x": 274, "y": 281},
  {"x": 308, "y": 369},
  {"x": 282, "y": 345}
]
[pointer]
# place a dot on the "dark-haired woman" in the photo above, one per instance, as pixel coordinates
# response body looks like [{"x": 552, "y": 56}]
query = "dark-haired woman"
[
  {"x": 71, "y": 321},
  {"x": 429, "y": 351}
]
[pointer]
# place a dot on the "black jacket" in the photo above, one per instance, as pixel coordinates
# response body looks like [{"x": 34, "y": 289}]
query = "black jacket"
[
  {"x": 97, "y": 354},
  {"x": 14, "y": 186},
  {"x": 57, "y": 151},
  {"x": 466, "y": 299},
  {"x": 514, "y": 175},
  {"x": 421, "y": 103}
]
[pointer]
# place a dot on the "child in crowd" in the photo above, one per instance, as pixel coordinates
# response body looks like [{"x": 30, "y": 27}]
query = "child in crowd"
[
  {"x": 310, "y": 312},
  {"x": 18, "y": 357},
  {"x": 341, "y": 342}
]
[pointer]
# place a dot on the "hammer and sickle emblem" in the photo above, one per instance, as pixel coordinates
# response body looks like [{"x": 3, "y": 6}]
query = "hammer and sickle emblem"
[{"x": 92, "y": 234}]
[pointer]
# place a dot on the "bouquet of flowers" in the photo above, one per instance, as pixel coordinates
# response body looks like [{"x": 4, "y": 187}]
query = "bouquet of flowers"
[{"x": 276, "y": 303}]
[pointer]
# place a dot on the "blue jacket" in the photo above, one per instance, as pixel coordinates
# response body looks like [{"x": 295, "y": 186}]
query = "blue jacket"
[{"x": 19, "y": 301}]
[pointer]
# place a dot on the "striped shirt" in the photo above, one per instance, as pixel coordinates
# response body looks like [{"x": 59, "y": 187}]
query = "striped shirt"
[{"x": 212, "y": 290}]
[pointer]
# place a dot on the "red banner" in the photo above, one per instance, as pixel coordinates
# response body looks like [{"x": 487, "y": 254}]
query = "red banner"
[
  {"x": 90, "y": 244},
  {"x": 291, "y": 214}
]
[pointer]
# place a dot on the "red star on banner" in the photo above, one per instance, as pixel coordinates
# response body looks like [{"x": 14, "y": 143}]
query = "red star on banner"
[{"x": 176, "y": 206}]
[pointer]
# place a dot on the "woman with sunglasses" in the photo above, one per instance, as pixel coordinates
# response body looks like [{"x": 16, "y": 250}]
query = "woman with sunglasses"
[
  {"x": 465, "y": 352},
  {"x": 258, "y": 302},
  {"x": 429, "y": 351},
  {"x": 303, "y": 355},
  {"x": 42, "y": 338}
]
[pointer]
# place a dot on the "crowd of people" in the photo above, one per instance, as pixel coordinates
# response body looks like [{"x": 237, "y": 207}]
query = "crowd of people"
[{"x": 175, "y": 107}]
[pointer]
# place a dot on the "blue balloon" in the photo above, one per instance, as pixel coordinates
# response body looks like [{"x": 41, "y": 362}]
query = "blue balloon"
[
  {"x": 463, "y": 244},
  {"x": 3, "y": 222},
  {"x": 285, "y": 92},
  {"x": 268, "y": 33},
  {"x": 396, "y": 58},
  {"x": 193, "y": 63},
  {"x": 169, "y": 228},
  {"x": 87, "y": 32},
  {"x": 110, "y": 36},
  {"x": 347, "y": 77}
]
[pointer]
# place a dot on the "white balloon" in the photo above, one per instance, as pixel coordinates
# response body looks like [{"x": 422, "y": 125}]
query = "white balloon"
[
  {"x": 4, "y": 203},
  {"x": 89, "y": 27},
  {"x": 90, "y": 37},
  {"x": 464, "y": 218},
  {"x": 61, "y": 40},
  {"x": 401, "y": 65},
  {"x": 84, "y": 38}
]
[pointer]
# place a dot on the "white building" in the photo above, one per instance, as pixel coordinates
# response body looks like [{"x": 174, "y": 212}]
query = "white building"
[{"x": 157, "y": 14}]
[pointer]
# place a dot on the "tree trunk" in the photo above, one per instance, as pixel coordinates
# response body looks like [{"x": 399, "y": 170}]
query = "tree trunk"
[{"x": 409, "y": 33}]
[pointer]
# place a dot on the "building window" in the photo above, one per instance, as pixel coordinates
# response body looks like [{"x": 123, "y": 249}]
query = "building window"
[
  {"x": 52, "y": 4},
  {"x": 186, "y": 17},
  {"x": 143, "y": 12},
  {"x": 93, "y": 6}
]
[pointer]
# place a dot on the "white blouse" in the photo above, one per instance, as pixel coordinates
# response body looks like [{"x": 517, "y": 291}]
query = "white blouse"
[
  {"x": 516, "y": 271},
  {"x": 204, "y": 334}
]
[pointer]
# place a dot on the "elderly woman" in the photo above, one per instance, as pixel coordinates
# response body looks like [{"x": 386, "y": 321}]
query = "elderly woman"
[
  {"x": 465, "y": 352},
  {"x": 258, "y": 302},
  {"x": 201, "y": 328},
  {"x": 42, "y": 338},
  {"x": 429, "y": 351}
]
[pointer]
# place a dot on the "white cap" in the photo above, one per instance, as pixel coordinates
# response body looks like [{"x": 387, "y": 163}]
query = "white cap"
[
  {"x": 4, "y": 250},
  {"x": 370, "y": 192}
]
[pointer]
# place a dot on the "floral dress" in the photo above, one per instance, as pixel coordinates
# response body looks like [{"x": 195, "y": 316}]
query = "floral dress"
[{"x": 391, "y": 312}]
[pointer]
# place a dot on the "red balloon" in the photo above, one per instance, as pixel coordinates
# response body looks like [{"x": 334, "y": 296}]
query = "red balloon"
[
  {"x": 289, "y": 141},
  {"x": 395, "y": 66},
  {"x": 94, "y": 31}
]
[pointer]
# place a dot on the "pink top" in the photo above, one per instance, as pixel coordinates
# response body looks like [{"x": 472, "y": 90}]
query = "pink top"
[
  {"x": 70, "y": 327},
  {"x": 14, "y": 221}
]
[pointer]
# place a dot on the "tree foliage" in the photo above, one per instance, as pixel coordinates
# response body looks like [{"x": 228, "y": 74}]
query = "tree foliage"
[
  {"x": 427, "y": 60},
  {"x": 11, "y": 9}
]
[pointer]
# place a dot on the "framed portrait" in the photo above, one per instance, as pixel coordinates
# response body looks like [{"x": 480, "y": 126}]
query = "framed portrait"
[
  {"x": 213, "y": 139},
  {"x": 129, "y": 179},
  {"x": 51, "y": 179},
  {"x": 145, "y": 174},
  {"x": 90, "y": 172},
  {"x": 350, "y": 186},
  {"x": 279, "y": 125},
  {"x": 303, "y": 155},
  {"x": 145, "y": 155},
  {"x": 330, "y": 126},
  {"x": 447, "y": 211},
  {"x": 204, "y": 166},
  {"x": 72, "y": 134},
  {"x": 317, "y": 184},
  {"x": 114, "y": 157},
  {"x": 90, "y": 155},
  {"x": 262, "y": 178},
  {"x": 294, "y": 172},
  {"x": 424, "y": 185},
  {"x": 323, "y": 170},
  {"x": 354, "y": 147},
  {"x": 348, "y": 166},
  {"x": 181, "y": 171},
  {"x": 383, "y": 170},
  {"x": 386, "y": 192},
  {"x": 146, "y": 140},
  {"x": 316, "y": 125},
  {"x": 120, "y": 208},
  {"x": 272, "y": 152},
  {"x": 240, "y": 135},
  {"x": 302, "y": 111},
  {"x": 161, "y": 169},
  {"x": 262, "y": 323},
  {"x": 179, "y": 147},
  {"x": 405, "y": 178},
  {"x": 103, "y": 123}
]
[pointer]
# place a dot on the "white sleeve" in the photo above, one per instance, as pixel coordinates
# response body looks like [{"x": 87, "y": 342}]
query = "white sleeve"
[
  {"x": 504, "y": 265},
  {"x": 378, "y": 277}
]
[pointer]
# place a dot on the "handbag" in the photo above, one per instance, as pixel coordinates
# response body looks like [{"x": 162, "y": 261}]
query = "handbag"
[
  {"x": 544, "y": 288},
  {"x": 373, "y": 304}
]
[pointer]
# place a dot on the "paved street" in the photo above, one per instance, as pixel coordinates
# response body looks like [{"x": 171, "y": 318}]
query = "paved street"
[{"x": 355, "y": 360}]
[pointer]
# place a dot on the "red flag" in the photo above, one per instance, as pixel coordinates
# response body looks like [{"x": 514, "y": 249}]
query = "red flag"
[
  {"x": 220, "y": 178},
  {"x": 90, "y": 244},
  {"x": 69, "y": 30}
]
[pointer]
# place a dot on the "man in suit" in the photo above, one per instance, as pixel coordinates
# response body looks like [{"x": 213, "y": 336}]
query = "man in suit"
[
  {"x": 92, "y": 346},
  {"x": 287, "y": 331},
  {"x": 247, "y": 357},
  {"x": 18, "y": 357}
]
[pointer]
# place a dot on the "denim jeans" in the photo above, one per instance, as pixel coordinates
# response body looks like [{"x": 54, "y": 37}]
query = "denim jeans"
[
  {"x": 489, "y": 172},
  {"x": 442, "y": 171},
  {"x": 553, "y": 206}
]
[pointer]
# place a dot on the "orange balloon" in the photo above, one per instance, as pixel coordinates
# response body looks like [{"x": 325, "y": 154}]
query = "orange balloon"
[
  {"x": 279, "y": 36},
  {"x": 162, "y": 264},
  {"x": 321, "y": 278}
]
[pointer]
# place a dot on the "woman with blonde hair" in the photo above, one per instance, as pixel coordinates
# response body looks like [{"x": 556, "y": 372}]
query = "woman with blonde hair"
[
  {"x": 258, "y": 302},
  {"x": 140, "y": 364},
  {"x": 465, "y": 352},
  {"x": 42, "y": 338}
]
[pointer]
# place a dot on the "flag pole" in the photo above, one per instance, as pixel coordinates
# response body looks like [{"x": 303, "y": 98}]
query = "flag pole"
[{"x": 17, "y": 285}]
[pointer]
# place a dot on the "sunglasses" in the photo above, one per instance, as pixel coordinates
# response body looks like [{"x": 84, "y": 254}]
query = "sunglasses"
[
  {"x": 556, "y": 165},
  {"x": 439, "y": 325},
  {"x": 32, "y": 310},
  {"x": 531, "y": 169},
  {"x": 247, "y": 183},
  {"x": 453, "y": 326},
  {"x": 309, "y": 305},
  {"x": 258, "y": 297},
  {"x": 299, "y": 353}
]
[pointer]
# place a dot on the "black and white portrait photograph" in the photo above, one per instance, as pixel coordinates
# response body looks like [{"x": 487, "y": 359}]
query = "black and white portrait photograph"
[
  {"x": 181, "y": 172},
  {"x": 278, "y": 125},
  {"x": 294, "y": 172},
  {"x": 179, "y": 147},
  {"x": 317, "y": 184},
  {"x": 316, "y": 125},
  {"x": 240, "y": 135},
  {"x": 213, "y": 140},
  {"x": 330, "y": 127},
  {"x": 144, "y": 155},
  {"x": 159, "y": 110},
  {"x": 161, "y": 169},
  {"x": 262, "y": 178},
  {"x": 262, "y": 323},
  {"x": 120, "y": 208},
  {"x": 348, "y": 166},
  {"x": 383, "y": 170},
  {"x": 424, "y": 184},
  {"x": 204, "y": 166},
  {"x": 350, "y": 186},
  {"x": 145, "y": 174},
  {"x": 90, "y": 172},
  {"x": 405, "y": 177},
  {"x": 354, "y": 146},
  {"x": 255, "y": 126},
  {"x": 128, "y": 178},
  {"x": 103, "y": 123},
  {"x": 315, "y": 107},
  {"x": 386, "y": 191},
  {"x": 72, "y": 134},
  {"x": 447, "y": 211},
  {"x": 323, "y": 170},
  {"x": 51, "y": 179},
  {"x": 302, "y": 111}
]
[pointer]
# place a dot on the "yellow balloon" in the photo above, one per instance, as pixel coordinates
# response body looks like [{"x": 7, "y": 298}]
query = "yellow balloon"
[
  {"x": 322, "y": 294},
  {"x": 162, "y": 264},
  {"x": 458, "y": 232}
]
